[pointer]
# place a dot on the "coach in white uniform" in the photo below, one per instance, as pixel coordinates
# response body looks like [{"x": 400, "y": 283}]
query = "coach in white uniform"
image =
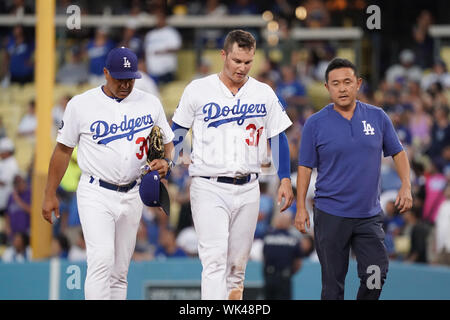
[
  {"x": 231, "y": 115},
  {"x": 110, "y": 125}
]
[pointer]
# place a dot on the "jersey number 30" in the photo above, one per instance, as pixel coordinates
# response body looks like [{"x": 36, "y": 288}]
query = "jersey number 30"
[{"x": 143, "y": 148}]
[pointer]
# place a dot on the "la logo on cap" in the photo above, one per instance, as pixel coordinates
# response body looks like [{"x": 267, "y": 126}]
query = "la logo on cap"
[{"x": 126, "y": 63}]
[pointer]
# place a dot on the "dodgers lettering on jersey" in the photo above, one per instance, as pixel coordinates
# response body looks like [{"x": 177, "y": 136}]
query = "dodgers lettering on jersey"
[
  {"x": 230, "y": 132},
  {"x": 129, "y": 127},
  {"x": 214, "y": 111},
  {"x": 112, "y": 136}
]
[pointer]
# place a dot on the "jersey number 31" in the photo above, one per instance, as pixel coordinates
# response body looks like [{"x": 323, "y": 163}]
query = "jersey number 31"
[{"x": 253, "y": 140}]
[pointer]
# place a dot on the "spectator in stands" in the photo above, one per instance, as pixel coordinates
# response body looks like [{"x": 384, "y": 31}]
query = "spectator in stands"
[
  {"x": 187, "y": 240},
  {"x": 19, "y": 57},
  {"x": 418, "y": 237},
  {"x": 442, "y": 240},
  {"x": 97, "y": 50},
  {"x": 19, "y": 8},
  {"x": 439, "y": 73},
  {"x": 445, "y": 165},
  {"x": 400, "y": 121},
  {"x": 130, "y": 38},
  {"x": 213, "y": 37},
  {"x": 243, "y": 7},
  {"x": 290, "y": 89},
  {"x": 77, "y": 251},
  {"x": 282, "y": 259},
  {"x": 420, "y": 125},
  {"x": 325, "y": 54},
  {"x": 440, "y": 133},
  {"x": 423, "y": 42},
  {"x": 145, "y": 83},
  {"x": 161, "y": 45},
  {"x": 75, "y": 71},
  {"x": 143, "y": 250},
  {"x": 167, "y": 247},
  {"x": 19, "y": 251},
  {"x": 393, "y": 225},
  {"x": 283, "y": 9},
  {"x": 18, "y": 209},
  {"x": 436, "y": 96},
  {"x": 70, "y": 221},
  {"x": 60, "y": 247},
  {"x": 405, "y": 71},
  {"x": 435, "y": 183},
  {"x": 286, "y": 44},
  {"x": 28, "y": 123},
  {"x": 390, "y": 100},
  {"x": 8, "y": 170},
  {"x": 155, "y": 220},
  {"x": 318, "y": 16}
]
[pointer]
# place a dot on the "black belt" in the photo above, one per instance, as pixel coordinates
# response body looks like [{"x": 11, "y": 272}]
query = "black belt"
[
  {"x": 110, "y": 186},
  {"x": 231, "y": 180}
]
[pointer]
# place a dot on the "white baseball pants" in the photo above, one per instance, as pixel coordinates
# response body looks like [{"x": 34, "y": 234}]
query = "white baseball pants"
[
  {"x": 109, "y": 220},
  {"x": 225, "y": 217}
]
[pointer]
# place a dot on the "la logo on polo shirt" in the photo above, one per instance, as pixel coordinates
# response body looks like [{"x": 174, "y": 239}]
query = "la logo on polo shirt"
[{"x": 368, "y": 130}]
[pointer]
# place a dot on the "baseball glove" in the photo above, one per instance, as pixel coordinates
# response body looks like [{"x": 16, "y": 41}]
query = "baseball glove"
[{"x": 156, "y": 145}]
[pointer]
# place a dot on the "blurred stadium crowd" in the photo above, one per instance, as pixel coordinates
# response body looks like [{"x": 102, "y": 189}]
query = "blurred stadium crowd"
[{"x": 414, "y": 90}]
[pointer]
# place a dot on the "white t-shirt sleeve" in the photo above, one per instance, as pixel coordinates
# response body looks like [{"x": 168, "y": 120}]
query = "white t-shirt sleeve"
[
  {"x": 185, "y": 112},
  {"x": 277, "y": 119},
  {"x": 69, "y": 129},
  {"x": 175, "y": 41},
  {"x": 161, "y": 121}
]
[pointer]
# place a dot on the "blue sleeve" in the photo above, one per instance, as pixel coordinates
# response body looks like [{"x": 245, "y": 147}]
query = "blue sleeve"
[
  {"x": 180, "y": 132},
  {"x": 307, "y": 155},
  {"x": 301, "y": 91},
  {"x": 281, "y": 155},
  {"x": 391, "y": 142}
]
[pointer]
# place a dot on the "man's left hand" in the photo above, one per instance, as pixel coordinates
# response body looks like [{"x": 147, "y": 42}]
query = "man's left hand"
[
  {"x": 285, "y": 191},
  {"x": 404, "y": 199}
]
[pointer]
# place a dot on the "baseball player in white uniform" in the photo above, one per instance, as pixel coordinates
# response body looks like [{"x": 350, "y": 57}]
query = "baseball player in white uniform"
[
  {"x": 231, "y": 115},
  {"x": 110, "y": 125}
]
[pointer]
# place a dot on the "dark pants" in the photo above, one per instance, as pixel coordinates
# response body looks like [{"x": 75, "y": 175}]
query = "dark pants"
[{"x": 334, "y": 236}]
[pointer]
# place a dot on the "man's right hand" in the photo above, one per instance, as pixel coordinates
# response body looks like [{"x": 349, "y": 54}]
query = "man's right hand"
[
  {"x": 302, "y": 220},
  {"x": 50, "y": 205}
]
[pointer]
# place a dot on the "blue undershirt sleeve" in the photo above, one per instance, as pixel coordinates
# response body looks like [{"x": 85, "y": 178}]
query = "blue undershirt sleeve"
[{"x": 281, "y": 155}]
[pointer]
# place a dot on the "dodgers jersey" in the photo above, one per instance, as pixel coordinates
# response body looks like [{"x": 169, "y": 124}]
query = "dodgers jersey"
[
  {"x": 347, "y": 154},
  {"x": 229, "y": 132},
  {"x": 111, "y": 135}
]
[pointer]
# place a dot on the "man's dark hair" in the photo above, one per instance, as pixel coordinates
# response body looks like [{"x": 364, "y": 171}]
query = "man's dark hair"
[
  {"x": 338, "y": 63},
  {"x": 243, "y": 39}
]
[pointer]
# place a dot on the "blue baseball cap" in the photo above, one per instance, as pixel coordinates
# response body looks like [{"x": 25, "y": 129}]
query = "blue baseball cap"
[
  {"x": 122, "y": 63},
  {"x": 153, "y": 193}
]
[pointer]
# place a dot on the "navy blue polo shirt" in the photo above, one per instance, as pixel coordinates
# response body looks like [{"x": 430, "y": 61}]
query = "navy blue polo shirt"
[{"x": 347, "y": 155}]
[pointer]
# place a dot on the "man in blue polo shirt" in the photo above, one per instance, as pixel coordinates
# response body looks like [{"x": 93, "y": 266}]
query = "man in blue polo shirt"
[{"x": 345, "y": 142}]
